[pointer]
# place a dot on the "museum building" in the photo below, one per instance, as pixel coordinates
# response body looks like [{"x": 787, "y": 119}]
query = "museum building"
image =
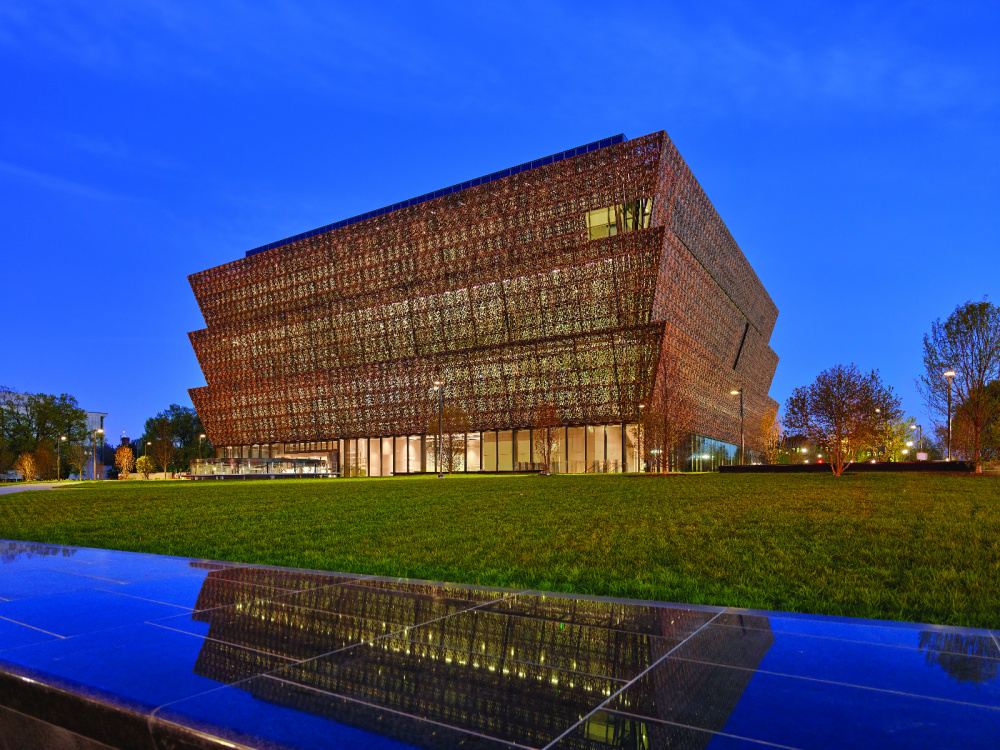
[{"x": 569, "y": 314}]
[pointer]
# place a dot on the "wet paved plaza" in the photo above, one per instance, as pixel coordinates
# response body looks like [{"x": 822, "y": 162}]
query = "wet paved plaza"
[{"x": 146, "y": 651}]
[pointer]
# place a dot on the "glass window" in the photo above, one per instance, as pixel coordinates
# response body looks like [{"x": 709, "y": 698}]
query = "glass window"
[
  {"x": 558, "y": 450},
  {"x": 575, "y": 437},
  {"x": 414, "y": 453},
  {"x": 351, "y": 459},
  {"x": 489, "y": 451},
  {"x": 362, "y": 457},
  {"x": 455, "y": 452},
  {"x": 386, "y": 456},
  {"x": 431, "y": 453},
  {"x": 505, "y": 450},
  {"x": 472, "y": 451},
  {"x": 632, "y": 447},
  {"x": 374, "y": 457},
  {"x": 614, "y": 447},
  {"x": 624, "y": 217},
  {"x": 522, "y": 456},
  {"x": 400, "y": 467}
]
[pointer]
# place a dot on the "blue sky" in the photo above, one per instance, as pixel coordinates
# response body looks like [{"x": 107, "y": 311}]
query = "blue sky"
[{"x": 853, "y": 149}]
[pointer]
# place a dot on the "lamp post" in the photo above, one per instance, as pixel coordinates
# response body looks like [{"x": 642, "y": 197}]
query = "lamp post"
[
  {"x": 439, "y": 387},
  {"x": 949, "y": 376},
  {"x": 93, "y": 473},
  {"x": 742, "y": 442},
  {"x": 62, "y": 439},
  {"x": 146, "y": 449},
  {"x": 200, "y": 438},
  {"x": 920, "y": 440},
  {"x": 878, "y": 420}
]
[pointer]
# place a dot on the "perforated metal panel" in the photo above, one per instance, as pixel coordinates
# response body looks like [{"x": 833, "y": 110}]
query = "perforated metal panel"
[{"x": 498, "y": 290}]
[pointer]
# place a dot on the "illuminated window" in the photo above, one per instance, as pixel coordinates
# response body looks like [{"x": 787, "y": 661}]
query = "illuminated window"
[{"x": 624, "y": 217}]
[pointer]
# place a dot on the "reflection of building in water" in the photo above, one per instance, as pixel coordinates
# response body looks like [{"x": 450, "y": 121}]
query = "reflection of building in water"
[
  {"x": 522, "y": 669},
  {"x": 11, "y": 551}
]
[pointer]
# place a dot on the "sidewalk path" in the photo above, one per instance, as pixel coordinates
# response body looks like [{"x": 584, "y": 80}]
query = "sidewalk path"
[{"x": 11, "y": 488}]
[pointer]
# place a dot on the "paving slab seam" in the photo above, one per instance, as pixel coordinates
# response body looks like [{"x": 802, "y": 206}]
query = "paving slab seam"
[
  {"x": 420, "y": 719},
  {"x": 18, "y": 622},
  {"x": 702, "y": 729},
  {"x": 854, "y": 640},
  {"x": 835, "y": 682},
  {"x": 270, "y": 672},
  {"x": 603, "y": 704},
  {"x": 147, "y": 599},
  {"x": 263, "y": 598},
  {"x": 291, "y": 662}
]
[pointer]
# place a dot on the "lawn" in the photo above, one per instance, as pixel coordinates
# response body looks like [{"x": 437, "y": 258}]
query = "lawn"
[{"x": 887, "y": 546}]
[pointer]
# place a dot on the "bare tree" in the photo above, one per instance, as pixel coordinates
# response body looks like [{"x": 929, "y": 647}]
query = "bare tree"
[
  {"x": 25, "y": 466},
  {"x": 544, "y": 436},
  {"x": 164, "y": 450},
  {"x": 454, "y": 423},
  {"x": 668, "y": 418},
  {"x": 968, "y": 344},
  {"x": 124, "y": 460},
  {"x": 838, "y": 411}
]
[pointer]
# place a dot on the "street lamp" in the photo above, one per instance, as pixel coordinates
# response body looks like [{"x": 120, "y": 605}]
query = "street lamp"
[
  {"x": 146, "y": 449},
  {"x": 742, "y": 443},
  {"x": 949, "y": 376},
  {"x": 200, "y": 438},
  {"x": 920, "y": 440},
  {"x": 878, "y": 419},
  {"x": 438, "y": 386},
  {"x": 62, "y": 439},
  {"x": 93, "y": 474}
]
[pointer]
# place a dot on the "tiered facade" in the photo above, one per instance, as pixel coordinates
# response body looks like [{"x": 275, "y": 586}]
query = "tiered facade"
[{"x": 551, "y": 297}]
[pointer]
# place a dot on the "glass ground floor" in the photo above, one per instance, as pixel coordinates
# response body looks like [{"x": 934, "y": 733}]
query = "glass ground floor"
[{"x": 597, "y": 449}]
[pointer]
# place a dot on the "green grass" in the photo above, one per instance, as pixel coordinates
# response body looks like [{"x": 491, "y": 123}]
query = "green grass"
[{"x": 907, "y": 547}]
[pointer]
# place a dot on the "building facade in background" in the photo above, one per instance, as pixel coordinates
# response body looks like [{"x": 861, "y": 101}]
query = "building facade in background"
[{"x": 550, "y": 301}]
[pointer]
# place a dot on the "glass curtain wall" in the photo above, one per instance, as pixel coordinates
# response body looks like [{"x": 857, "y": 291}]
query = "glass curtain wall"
[{"x": 598, "y": 449}]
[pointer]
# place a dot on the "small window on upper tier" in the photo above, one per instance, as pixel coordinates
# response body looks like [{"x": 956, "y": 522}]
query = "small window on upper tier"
[{"x": 625, "y": 217}]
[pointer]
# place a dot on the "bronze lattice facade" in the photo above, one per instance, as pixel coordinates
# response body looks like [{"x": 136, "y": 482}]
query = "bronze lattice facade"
[{"x": 551, "y": 293}]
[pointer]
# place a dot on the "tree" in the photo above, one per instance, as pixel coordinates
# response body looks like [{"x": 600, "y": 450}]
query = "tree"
[
  {"x": 124, "y": 461},
  {"x": 6, "y": 457},
  {"x": 967, "y": 343},
  {"x": 28, "y": 419},
  {"x": 544, "y": 437},
  {"x": 45, "y": 459},
  {"x": 890, "y": 438},
  {"x": 963, "y": 435},
  {"x": 78, "y": 458},
  {"x": 771, "y": 437},
  {"x": 838, "y": 411},
  {"x": 185, "y": 427},
  {"x": 668, "y": 418},
  {"x": 25, "y": 466},
  {"x": 145, "y": 466},
  {"x": 454, "y": 423},
  {"x": 164, "y": 450}
]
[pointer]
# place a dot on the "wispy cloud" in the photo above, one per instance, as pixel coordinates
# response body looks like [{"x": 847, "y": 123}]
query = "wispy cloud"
[{"x": 59, "y": 184}]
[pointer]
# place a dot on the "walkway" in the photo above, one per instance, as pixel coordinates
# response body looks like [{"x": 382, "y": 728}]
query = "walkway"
[
  {"x": 11, "y": 488},
  {"x": 144, "y": 651}
]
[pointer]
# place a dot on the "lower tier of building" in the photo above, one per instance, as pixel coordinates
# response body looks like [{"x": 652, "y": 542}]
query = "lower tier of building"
[{"x": 585, "y": 449}]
